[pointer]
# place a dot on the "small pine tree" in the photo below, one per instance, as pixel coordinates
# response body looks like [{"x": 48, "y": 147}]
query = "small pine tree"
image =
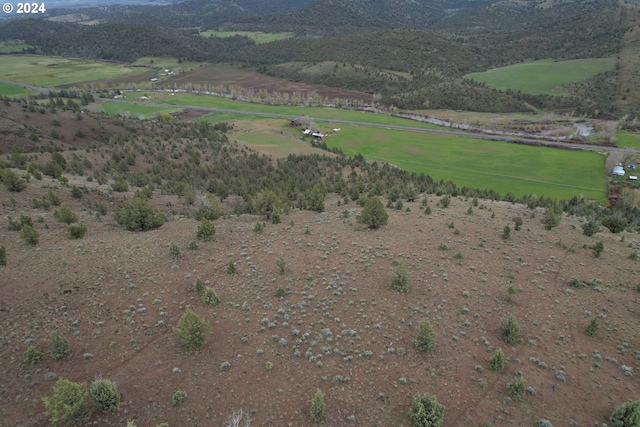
[
  {"x": 516, "y": 389},
  {"x": 552, "y": 217},
  {"x": 70, "y": 403},
  {"x": 280, "y": 292},
  {"x": 138, "y": 215},
  {"x": 373, "y": 213},
  {"x": 174, "y": 250},
  {"x": 33, "y": 356},
  {"x": 425, "y": 341},
  {"x": 210, "y": 297},
  {"x": 231, "y": 267},
  {"x": 281, "y": 263},
  {"x": 506, "y": 232},
  {"x": 65, "y": 214},
  {"x": 496, "y": 363},
  {"x": 510, "y": 330},
  {"x": 598, "y": 249},
  {"x": 198, "y": 286},
  {"x": 206, "y": 230},
  {"x": 179, "y": 397},
  {"x": 59, "y": 346},
  {"x": 76, "y": 230},
  {"x": 30, "y": 235},
  {"x": 626, "y": 415},
  {"x": 104, "y": 395},
  {"x": 590, "y": 228},
  {"x": 518, "y": 222},
  {"x": 593, "y": 327},
  {"x": 3, "y": 255},
  {"x": 426, "y": 411},
  {"x": 400, "y": 278},
  {"x": 317, "y": 406},
  {"x": 192, "y": 330}
]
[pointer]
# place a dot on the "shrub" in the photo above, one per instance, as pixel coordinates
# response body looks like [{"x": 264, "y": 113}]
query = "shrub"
[
  {"x": 516, "y": 389},
  {"x": 206, "y": 230},
  {"x": 626, "y": 415},
  {"x": 496, "y": 363},
  {"x": 598, "y": 249},
  {"x": 30, "y": 235},
  {"x": 510, "y": 330},
  {"x": 445, "y": 201},
  {"x": 590, "y": 228},
  {"x": 400, "y": 278},
  {"x": 33, "y": 356},
  {"x": 317, "y": 406},
  {"x": 3, "y": 255},
  {"x": 506, "y": 232},
  {"x": 373, "y": 213},
  {"x": 59, "y": 346},
  {"x": 12, "y": 181},
  {"x": 269, "y": 204},
  {"x": 426, "y": 411},
  {"x": 615, "y": 225},
  {"x": 210, "y": 297},
  {"x": 65, "y": 214},
  {"x": 259, "y": 227},
  {"x": 53, "y": 197},
  {"x": 179, "y": 397},
  {"x": 193, "y": 245},
  {"x": 174, "y": 250},
  {"x": 198, "y": 286},
  {"x": 138, "y": 215},
  {"x": 76, "y": 230},
  {"x": 231, "y": 267},
  {"x": 281, "y": 263},
  {"x": 425, "y": 341},
  {"x": 518, "y": 222},
  {"x": 593, "y": 327},
  {"x": 552, "y": 218},
  {"x": 76, "y": 193},
  {"x": 104, "y": 395},
  {"x": 192, "y": 330},
  {"x": 543, "y": 423},
  {"x": 70, "y": 403},
  {"x": 280, "y": 292}
]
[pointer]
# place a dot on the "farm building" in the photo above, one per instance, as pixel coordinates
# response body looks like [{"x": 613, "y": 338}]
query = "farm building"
[{"x": 618, "y": 170}]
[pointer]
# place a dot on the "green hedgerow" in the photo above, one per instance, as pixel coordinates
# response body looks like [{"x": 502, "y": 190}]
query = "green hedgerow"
[
  {"x": 33, "y": 356},
  {"x": 426, "y": 411},
  {"x": 317, "y": 406},
  {"x": 192, "y": 330},
  {"x": 425, "y": 341},
  {"x": 510, "y": 330},
  {"x": 104, "y": 395},
  {"x": 179, "y": 397},
  {"x": 70, "y": 403},
  {"x": 60, "y": 347},
  {"x": 496, "y": 363}
]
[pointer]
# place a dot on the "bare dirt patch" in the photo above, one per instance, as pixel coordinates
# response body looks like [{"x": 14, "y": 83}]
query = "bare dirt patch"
[{"x": 116, "y": 296}]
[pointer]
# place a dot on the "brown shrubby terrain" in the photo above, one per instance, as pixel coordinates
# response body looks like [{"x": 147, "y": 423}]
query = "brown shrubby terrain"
[{"x": 306, "y": 303}]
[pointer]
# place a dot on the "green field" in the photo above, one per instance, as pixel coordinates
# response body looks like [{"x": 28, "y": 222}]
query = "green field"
[
  {"x": 542, "y": 77},
  {"x": 11, "y": 48},
  {"x": 628, "y": 139},
  {"x": 207, "y": 101},
  {"x": 257, "y": 36},
  {"x": 47, "y": 71},
  {"x": 133, "y": 110},
  {"x": 12, "y": 90},
  {"x": 161, "y": 62},
  {"x": 476, "y": 163}
]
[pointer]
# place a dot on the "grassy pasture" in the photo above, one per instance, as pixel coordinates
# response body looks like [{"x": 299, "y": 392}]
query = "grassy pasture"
[
  {"x": 165, "y": 62},
  {"x": 628, "y": 139},
  {"x": 477, "y": 163},
  {"x": 11, "y": 48},
  {"x": 257, "y": 36},
  {"x": 49, "y": 71},
  {"x": 134, "y": 110},
  {"x": 11, "y": 90},
  {"x": 542, "y": 77},
  {"x": 207, "y": 101}
]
